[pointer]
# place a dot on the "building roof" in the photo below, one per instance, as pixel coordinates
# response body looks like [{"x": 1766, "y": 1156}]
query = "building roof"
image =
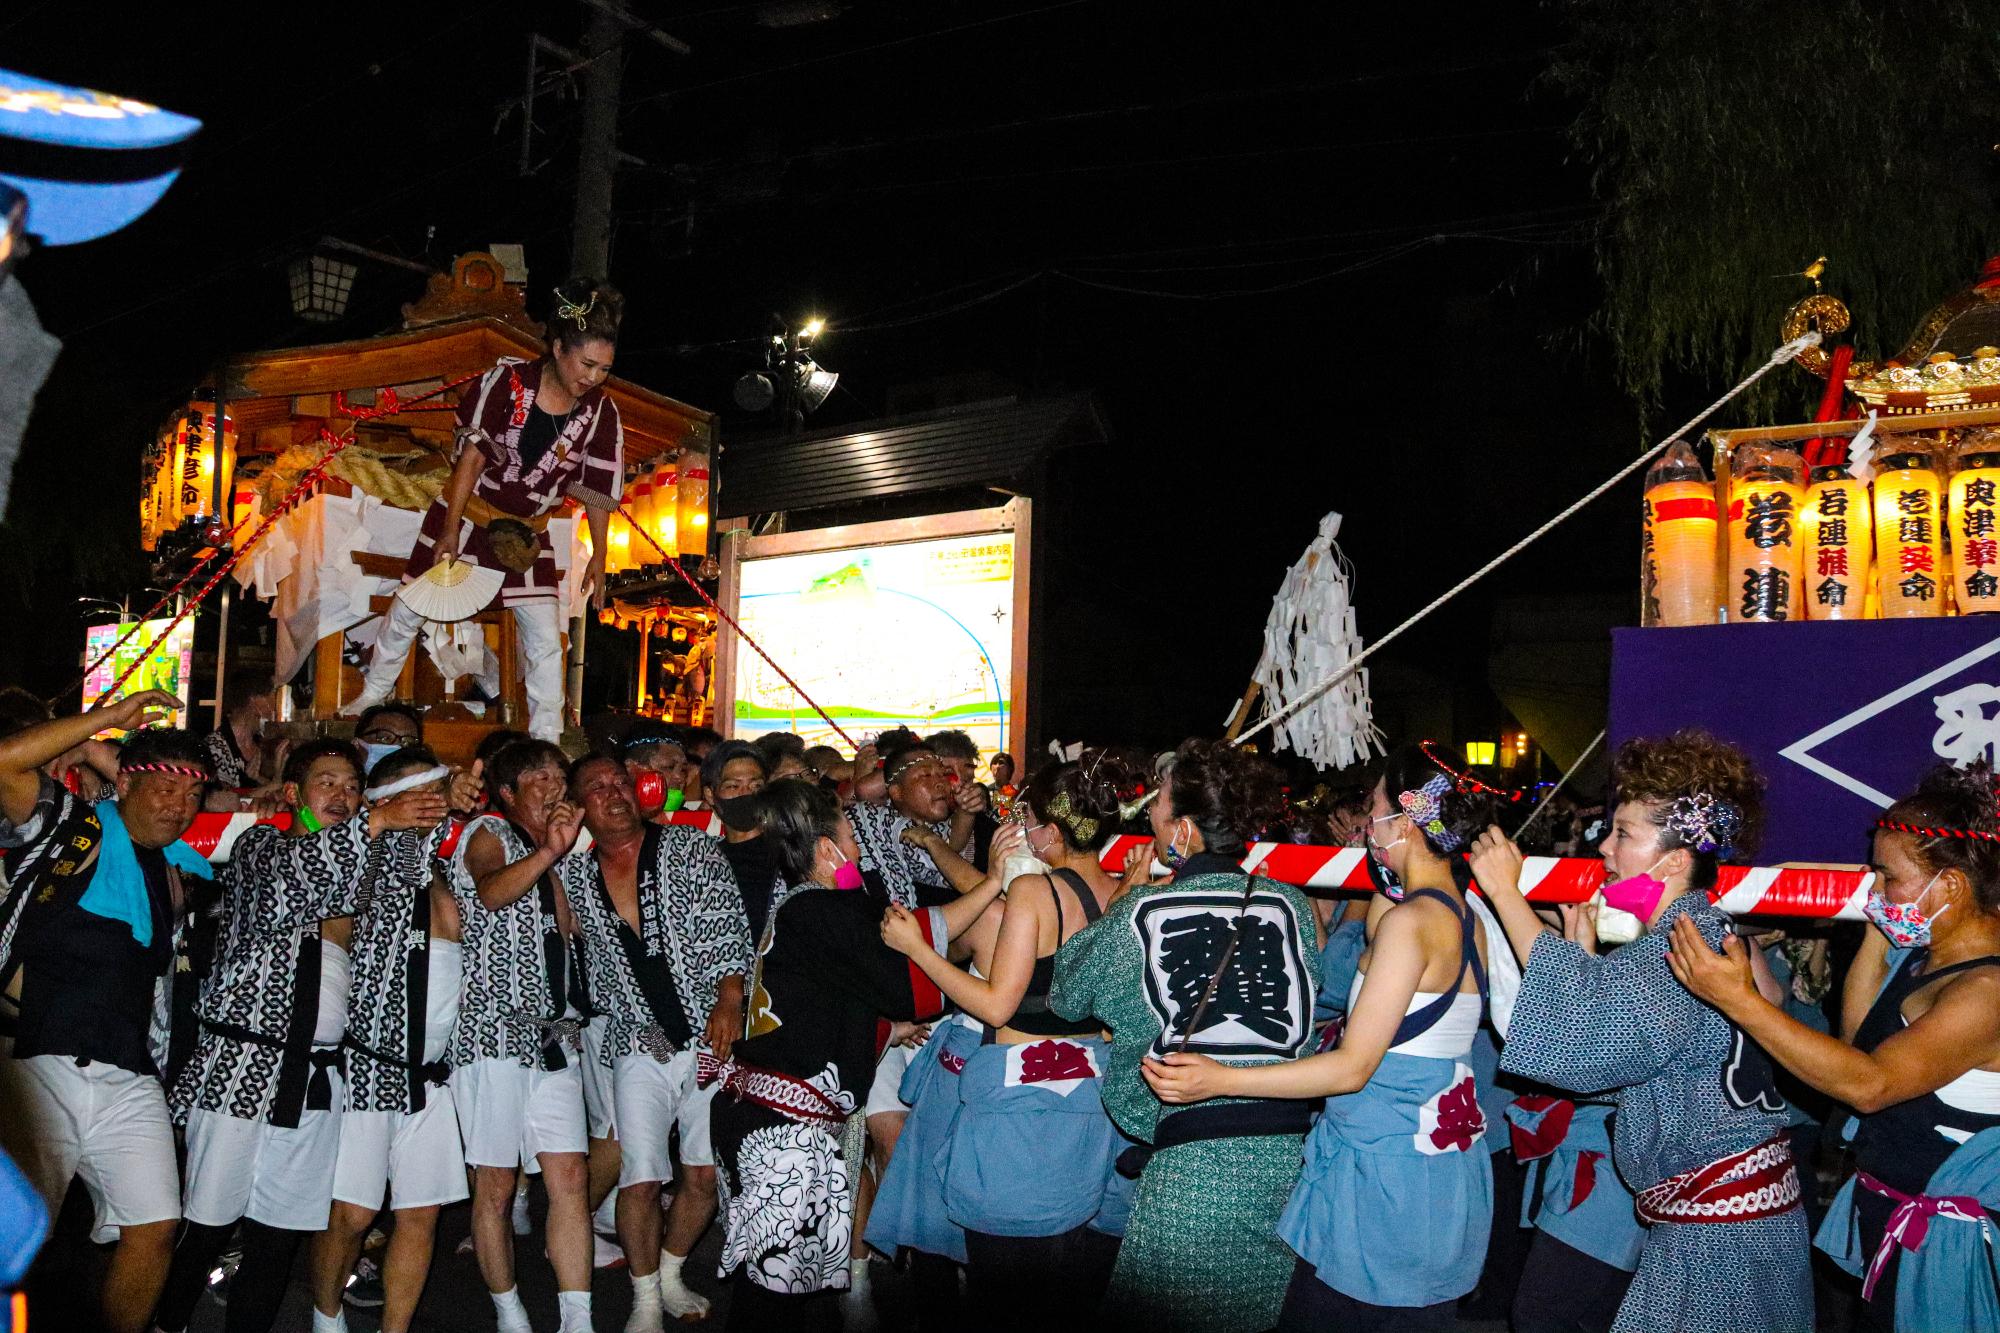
[{"x": 992, "y": 444}]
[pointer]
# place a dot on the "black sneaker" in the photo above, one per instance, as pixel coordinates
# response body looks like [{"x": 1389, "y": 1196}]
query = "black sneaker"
[{"x": 364, "y": 1289}]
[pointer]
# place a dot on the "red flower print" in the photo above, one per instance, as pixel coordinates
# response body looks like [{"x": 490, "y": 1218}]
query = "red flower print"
[
  {"x": 1460, "y": 1120},
  {"x": 1053, "y": 1062}
]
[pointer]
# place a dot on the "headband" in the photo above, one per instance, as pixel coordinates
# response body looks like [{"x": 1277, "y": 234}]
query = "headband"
[
  {"x": 1898, "y": 826},
  {"x": 1704, "y": 821},
  {"x": 166, "y": 766},
  {"x": 1082, "y": 828},
  {"x": 574, "y": 313},
  {"x": 1425, "y": 807},
  {"x": 422, "y": 777},
  {"x": 895, "y": 774}
]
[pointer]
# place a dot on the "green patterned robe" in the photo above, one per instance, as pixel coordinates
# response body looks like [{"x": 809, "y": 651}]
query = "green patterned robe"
[{"x": 1201, "y": 1250}]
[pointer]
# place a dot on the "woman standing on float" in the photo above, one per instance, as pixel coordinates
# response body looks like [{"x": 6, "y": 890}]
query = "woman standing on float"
[
  {"x": 1920, "y": 1062},
  {"x": 1392, "y": 1212},
  {"x": 1699, "y": 1127},
  {"x": 531, "y": 435}
]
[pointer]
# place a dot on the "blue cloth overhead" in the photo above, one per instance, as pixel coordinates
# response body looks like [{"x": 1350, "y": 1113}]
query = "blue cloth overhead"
[{"x": 117, "y": 888}]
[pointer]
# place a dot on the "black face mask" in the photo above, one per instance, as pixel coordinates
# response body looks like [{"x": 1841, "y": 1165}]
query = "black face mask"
[{"x": 739, "y": 812}]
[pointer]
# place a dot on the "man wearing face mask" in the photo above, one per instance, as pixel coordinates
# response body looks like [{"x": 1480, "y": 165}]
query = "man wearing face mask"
[
  {"x": 1698, "y": 1129},
  {"x": 385, "y": 729},
  {"x": 86, "y": 927},
  {"x": 516, "y": 1056},
  {"x": 668, "y": 947},
  {"x": 1918, "y": 1057}
]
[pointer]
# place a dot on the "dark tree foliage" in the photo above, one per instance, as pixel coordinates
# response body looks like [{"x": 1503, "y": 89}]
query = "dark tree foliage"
[{"x": 1731, "y": 140}]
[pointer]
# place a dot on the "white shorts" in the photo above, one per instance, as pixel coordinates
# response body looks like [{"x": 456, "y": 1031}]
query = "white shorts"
[
  {"x": 418, "y": 1158},
  {"x": 60, "y": 1120},
  {"x": 511, "y": 1114},
  {"x": 652, "y": 1099},
  {"x": 599, "y": 1103},
  {"x": 246, "y": 1168},
  {"x": 885, "y": 1093}
]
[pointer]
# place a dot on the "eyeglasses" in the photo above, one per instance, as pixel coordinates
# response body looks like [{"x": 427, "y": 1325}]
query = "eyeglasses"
[{"x": 384, "y": 736}]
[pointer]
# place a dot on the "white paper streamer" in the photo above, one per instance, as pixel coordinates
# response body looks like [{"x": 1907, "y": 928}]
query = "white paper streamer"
[{"x": 1310, "y": 637}]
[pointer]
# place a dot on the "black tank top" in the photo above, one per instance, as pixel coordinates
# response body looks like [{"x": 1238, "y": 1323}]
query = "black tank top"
[{"x": 1034, "y": 1016}]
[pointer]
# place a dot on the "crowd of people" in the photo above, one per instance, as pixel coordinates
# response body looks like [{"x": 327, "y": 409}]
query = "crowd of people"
[{"x": 887, "y": 1012}]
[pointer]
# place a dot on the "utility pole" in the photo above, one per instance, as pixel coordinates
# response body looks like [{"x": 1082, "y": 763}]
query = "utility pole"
[{"x": 597, "y": 155}]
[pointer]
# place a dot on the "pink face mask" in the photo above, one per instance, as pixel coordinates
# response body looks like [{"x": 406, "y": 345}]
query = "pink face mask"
[
  {"x": 1638, "y": 894},
  {"x": 846, "y": 875}
]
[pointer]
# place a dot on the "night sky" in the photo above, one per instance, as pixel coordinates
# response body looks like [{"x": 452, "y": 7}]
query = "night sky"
[{"x": 1310, "y": 257}]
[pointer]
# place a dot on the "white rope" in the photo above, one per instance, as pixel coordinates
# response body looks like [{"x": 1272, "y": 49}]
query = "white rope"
[
  {"x": 1777, "y": 358},
  {"x": 1561, "y": 782}
]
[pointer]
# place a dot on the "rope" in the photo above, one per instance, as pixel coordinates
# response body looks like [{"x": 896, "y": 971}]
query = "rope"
[
  {"x": 1777, "y": 358},
  {"x": 317, "y": 472},
  {"x": 730, "y": 621},
  {"x": 1561, "y": 782}
]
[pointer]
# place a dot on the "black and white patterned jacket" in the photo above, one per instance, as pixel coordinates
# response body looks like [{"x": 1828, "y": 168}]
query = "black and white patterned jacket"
[
  {"x": 389, "y": 1006},
  {"x": 690, "y": 913},
  {"x": 901, "y": 868},
  {"x": 260, "y": 1003},
  {"x": 509, "y": 992}
]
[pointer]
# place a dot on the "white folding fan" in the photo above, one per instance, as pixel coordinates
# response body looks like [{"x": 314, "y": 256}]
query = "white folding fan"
[{"x": 452, "y": 590}]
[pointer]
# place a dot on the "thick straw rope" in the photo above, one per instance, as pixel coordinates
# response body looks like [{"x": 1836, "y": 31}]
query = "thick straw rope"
[{"x": 1777, "y": 358}]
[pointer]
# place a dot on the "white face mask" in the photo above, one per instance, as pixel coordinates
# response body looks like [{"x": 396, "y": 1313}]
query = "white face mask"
[{"x": 1615, "y": 925}]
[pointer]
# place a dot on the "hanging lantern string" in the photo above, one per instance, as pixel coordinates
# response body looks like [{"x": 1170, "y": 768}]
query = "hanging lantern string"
[
  {"x": 730, "y": 621},
  {"x": 1776, "y": 359},
  {"x": 310, "y": 478}
]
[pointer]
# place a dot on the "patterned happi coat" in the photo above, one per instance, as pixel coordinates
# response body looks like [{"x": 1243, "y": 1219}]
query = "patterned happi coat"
[
  {"x": 1690, "y": 1089},
  {"x": 389, "y": 1005},
  {"x": 690, "y": 914},
  {"x": 276, "y": 891},
  {"x": 515, "y": 960},
  {"x": 586, "y": 464},
  {"x": 906, "y": 874}
]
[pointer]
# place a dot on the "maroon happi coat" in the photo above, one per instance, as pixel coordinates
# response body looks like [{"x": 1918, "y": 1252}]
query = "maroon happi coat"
[{"x": 586, "y": 463}]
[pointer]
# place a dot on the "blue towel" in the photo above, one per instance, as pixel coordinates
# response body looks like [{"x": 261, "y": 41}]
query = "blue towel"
[{"x": 118, "y": 887}]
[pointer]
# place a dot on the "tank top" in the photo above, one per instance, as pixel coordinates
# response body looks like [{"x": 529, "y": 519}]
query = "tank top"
[
  {"x": 1034, "y": 1015},
  {"x": 1441, "y": 1024},
  {"x": 1902, "y": 1145},
  {"x": 334, "y": 970}
]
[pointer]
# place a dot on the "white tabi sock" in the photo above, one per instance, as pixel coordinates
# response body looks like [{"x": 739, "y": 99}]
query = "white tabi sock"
[
  {"x": 330, "y": 1323},
  {"x": 646, "y": 1316},
  {"x": 508, "y": 1312},
  {"x": 575, "y": 1307},
  {"x": 675, "y": 1297}
]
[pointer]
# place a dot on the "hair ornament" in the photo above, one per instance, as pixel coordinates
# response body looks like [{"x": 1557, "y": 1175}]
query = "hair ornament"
[
  {"x": 1082, "y": 828},
  {"x": 1707, "y": 823},
  {"x": 571, "y": 311},
  {"x": 1425, "y": 807}
]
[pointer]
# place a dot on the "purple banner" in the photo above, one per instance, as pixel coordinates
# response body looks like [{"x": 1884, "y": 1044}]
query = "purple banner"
[{"x": 1840, "y": 717}]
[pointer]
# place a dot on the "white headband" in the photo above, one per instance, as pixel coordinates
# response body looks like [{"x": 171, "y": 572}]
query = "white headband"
[{"x": 421, "y": 778}]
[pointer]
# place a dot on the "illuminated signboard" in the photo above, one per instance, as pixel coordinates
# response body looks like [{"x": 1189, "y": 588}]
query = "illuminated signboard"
[
  {"x": 168, "y": 666},
  {"x": 918, "y": 632}
]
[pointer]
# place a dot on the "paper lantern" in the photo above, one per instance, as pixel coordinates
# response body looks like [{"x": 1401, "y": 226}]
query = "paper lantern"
[
  {"x": 639, "y": 501},
  {"x": 691, "y": 516},
  {"x": 1679, "y": 542},
  {"x": 1975, "y": 533},
  {"x": 618, "y": 545},
  {"x": 1837, "y": 546},
  {"x": 666, "y": 498},
  {"x": 1909, "y": 561},
  {"x": 1765, "y": 547}
]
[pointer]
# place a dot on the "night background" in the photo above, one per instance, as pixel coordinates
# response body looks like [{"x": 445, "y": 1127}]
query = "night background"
[{"x": 1309, "y": 258}]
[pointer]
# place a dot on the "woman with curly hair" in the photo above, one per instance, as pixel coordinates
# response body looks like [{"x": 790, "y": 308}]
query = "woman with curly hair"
[
  {"x": 1400, "y": 1134},
  {"x": 1024, "y": 1080},
  {"x": 1918, "y": 1058},
  {"x": 1219, "y": 962},
  {"x": 1698, "y": 1130}
]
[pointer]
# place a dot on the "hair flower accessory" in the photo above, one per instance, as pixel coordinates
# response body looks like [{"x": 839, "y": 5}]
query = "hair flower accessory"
[
  {"x": 1707, "y": 823},
  {"x": 1425, "y": 807},
  {"x": 571, "y": 311}
]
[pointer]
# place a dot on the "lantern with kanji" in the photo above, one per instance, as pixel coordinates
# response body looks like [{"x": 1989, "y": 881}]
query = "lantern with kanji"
[
  {"x": 691, "y": 517},
  {"x": 1765, "y": 550},
  {"x": 1836, "y": 531},
  {"x": 1909, "y": 536},
  {"x": 1679, "y": 572},
  {"x": 1975, "y": 524}
]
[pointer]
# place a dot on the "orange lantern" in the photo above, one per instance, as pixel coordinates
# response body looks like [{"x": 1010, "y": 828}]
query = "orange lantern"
[
  {"x": 1909, "y": 560},
  {"x": 1975, "y": 527},
  {"x": 691, "y": 516},
  {"x": 1836, "y": 545},
  {"x": 666, "y": 498},
  {"x": 639, "y": 501},
  {"x": 1765, "y": 551},
  {"x": 1679, "y": 569},
  {"x": 617, "y": 545}
]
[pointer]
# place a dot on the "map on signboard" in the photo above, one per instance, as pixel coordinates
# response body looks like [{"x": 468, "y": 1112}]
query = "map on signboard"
[
  {"x": 917, "y": 634},
  {"x": 168, "y": 662}
]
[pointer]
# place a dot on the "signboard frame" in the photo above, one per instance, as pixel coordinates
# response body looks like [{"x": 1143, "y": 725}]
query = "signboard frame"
[{"x": 1014, "y": 518}]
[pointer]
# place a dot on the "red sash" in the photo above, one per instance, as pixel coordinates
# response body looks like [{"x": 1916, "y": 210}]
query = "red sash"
[
  {"x": 791, "y": 1097},
  {"x": 1757, "y": 1182}
]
